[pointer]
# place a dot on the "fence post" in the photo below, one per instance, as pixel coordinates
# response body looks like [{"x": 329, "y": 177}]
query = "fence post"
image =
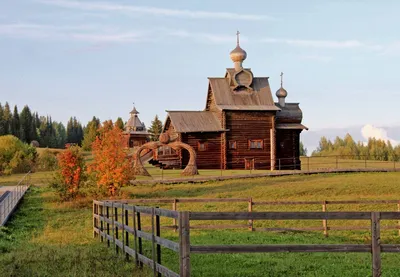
[
  {"x": 101, "y": 213},
  {"x": 108, "y": 225},
  {"x": 174, "y": 219},
  {"x": 250, "y": 209},
  {"x": 116, "y": 229},
  {"x": 94, "y": 220},
  {"x": 376, "y": 244},
  {"x": 126, "y": 232},
  {"x": 365, "y": 161},
  {"x": 112, "y": 222},
  {"x": 158, "y": 234},
  {"x": 184, "y": 244},
  {"x": 308, "y": 164},
  {"x": 337, "y": 162},
  {"x": 123, "y": 228},
  {"x": 324, "y": 221},
  {"x": 153, "y": 243},
  {"x": 139, "y": 227},
  {"x": 398, "y": 223},
  {"x": 135, "y": 236}
]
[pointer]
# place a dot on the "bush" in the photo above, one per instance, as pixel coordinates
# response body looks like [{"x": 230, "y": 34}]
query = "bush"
[
  {"x": 70, "y": 174},
  {"x": 15, "y": 156},
  {"x": 47, "y": 161}
]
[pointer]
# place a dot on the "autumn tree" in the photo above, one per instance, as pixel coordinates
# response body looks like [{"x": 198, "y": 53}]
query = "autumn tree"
[
  {"x": 90, "y": 133},
  {"x": 71, "y": 173},
  {"x": 111, "y": 166},
  {"x": 155, "y": 129},
  {"x": 120, "y": 123}
]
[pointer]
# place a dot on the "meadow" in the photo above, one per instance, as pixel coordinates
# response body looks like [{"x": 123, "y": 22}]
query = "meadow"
[{"x": 49, "y": 238}]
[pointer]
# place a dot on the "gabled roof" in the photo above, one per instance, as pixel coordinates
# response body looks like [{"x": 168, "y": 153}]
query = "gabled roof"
[
  {"x": 195, "y": 121},
  {"x": 259, "y": 99}
]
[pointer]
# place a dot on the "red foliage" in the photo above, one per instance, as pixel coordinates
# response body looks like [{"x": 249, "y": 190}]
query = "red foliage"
[
  {"x": 112, "y": 167},
  {"x": 72, "y": 168}
]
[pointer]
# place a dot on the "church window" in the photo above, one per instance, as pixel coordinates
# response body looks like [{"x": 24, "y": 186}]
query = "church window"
[
  {"x": 256, "y": 144},
  {"x": 232, "y": 144},
  {"x": 202, "y": 146}
]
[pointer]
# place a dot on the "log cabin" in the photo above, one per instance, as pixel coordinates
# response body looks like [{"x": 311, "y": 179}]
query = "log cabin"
[{"x": 241, "y": 126}]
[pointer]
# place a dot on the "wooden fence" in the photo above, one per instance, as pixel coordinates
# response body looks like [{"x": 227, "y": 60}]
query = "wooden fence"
[
  {"x": 252, "y": 204},
  {"x": 11, "y": 197},
  {"x": 103, "y": 219}
]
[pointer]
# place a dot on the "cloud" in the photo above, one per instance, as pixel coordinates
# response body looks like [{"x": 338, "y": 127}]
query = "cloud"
[
  {"x": 131, "y": 9},
  {"x": 332, "y": 44},
  {"x": 370, "y": 131},
  {"x": 317, "y": 58}
]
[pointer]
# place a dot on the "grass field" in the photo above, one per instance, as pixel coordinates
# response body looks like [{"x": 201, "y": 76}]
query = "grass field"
[{"x": 47, "y": 238}]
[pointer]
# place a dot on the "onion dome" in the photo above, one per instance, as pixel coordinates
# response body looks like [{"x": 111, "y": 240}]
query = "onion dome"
[
  {"x": 238, "y": 54},
  {"x": 281, "y": 92}
]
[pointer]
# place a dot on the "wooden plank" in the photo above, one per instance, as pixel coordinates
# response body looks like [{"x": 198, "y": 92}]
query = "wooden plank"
[
  {"x": 144, "y": 235},
  {"x": 167, "y": 243},
  {"x": 211, "y": 200},
  {"x": 279, "y": 229},
  {"x": 286, "y": 202},
  {"x": 144, "y": 210},
  {"x": 285, "y": 215},
  {"x": 129, "y": 251},
  {"x": 135, "y": 238},
  {"x": 174, "y": 208},
  {"x": 391, "y": 248},
  {"x": 389, "y": 215},
  {"x": 162, "y": 269},
  {"x": 139, "y": 228},
  {"x": 184, "y": 244},
  {"x": 376, "y": 244},
  {"x": 108, "y": 224},
  {"x": 219, "y": 226},
  {"x": 207, "y": 249},
  {"x": 126, "y": 217},
  {"x": 166, "y": 213},
  {"x": 250, "y": 209},
  {"x": 153, "y": 243},
  {"x": 116, "y": 224}
]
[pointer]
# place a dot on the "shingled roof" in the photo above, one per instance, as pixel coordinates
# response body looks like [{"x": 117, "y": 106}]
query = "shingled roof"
[
  {"x": 258, "y": 99},
  {"x": 194, "y": 121}
]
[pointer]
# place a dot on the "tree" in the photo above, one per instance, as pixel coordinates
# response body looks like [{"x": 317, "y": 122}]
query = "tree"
[
  {"x": 7, "y": 118},
  {"x": 2, "y": 123},
  {"x": 90, "y": 133},
  {"x": 71, "y": 173},
  {"x": 26, "y": 130},
  {"x": 15, "y": 126},
  {"x": 303, "y": 149},
  {"x": 119, "y": 123},
  {"x": 111, "y": 166},
  {"x": 155, "y": 129},
  {"x": 74, "y": 131}
]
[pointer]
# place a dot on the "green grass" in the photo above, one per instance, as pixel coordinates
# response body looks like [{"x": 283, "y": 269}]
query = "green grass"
[{"x": 48, "y": 238}]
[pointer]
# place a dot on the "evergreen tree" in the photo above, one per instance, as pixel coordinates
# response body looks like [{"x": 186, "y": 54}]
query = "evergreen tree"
[
  {"x": 90, "y": 133},
  {"x": 15, "y": 126},
  {"x": 26, "y": 131},
  {"x": 74, "y": 131},
  {"x": 2, "y": 122},
  {"x": 155, "y": 129},
  {"x": 7, "y": 118},
  {"x": 61, "y": 134},
  {"x": 119, "y": 123}
]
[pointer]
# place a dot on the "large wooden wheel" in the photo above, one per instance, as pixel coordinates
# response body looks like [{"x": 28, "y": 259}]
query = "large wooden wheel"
[{"x": 190, "y": 169}]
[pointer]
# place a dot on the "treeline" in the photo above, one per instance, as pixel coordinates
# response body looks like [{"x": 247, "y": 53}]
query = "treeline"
[
  {"x": 374, "y": 149},
  {"x": 30, "y": 126}
]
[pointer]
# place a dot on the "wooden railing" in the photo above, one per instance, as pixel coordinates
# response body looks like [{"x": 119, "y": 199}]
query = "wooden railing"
[
  {"x": 11, "y": 197},
  {"x": 103, "y": 219},
  {"x": 325, "y": 228},
  {"x": 116, "y": 223}
]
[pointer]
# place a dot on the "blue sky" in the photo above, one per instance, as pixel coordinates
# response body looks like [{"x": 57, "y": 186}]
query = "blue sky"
[{"x": 62, "y": 57}]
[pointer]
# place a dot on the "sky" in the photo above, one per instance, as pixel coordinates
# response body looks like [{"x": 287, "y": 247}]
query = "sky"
[{"x": 67, "y": 58}]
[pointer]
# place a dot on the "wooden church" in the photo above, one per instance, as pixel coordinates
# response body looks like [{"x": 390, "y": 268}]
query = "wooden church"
[{"x": 241, "y": 126}]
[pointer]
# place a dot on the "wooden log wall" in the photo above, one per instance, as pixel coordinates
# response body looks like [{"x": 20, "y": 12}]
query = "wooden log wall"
[
  {"x": 288, "y": 149},
  {"x": 245, "y": 126},
  {"x": 208, "y": 159}
]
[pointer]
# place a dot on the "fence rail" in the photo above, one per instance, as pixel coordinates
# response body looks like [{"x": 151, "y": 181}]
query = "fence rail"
[
  {"x": 251, "y": 204},
  {"x": 102, "y": 219},
  {"x": 11, "y": 197}
]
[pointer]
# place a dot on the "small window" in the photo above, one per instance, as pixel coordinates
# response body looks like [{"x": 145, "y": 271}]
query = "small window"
[
  {"x": 232, "y": 144},
  {"x": 202, "y": 146},
  {"x": 256, "y": 144}
]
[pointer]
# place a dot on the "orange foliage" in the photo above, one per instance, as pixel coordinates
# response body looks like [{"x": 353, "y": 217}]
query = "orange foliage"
[
  {"x": 71, "y": 167},
  {"x": 111, "y": 166}
]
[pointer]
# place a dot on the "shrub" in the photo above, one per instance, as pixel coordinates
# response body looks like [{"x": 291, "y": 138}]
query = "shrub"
[
  {"x": 15, "y": 156},
  {"x": 71, "y": 173},
  {"x": 47, "y": 161}
]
